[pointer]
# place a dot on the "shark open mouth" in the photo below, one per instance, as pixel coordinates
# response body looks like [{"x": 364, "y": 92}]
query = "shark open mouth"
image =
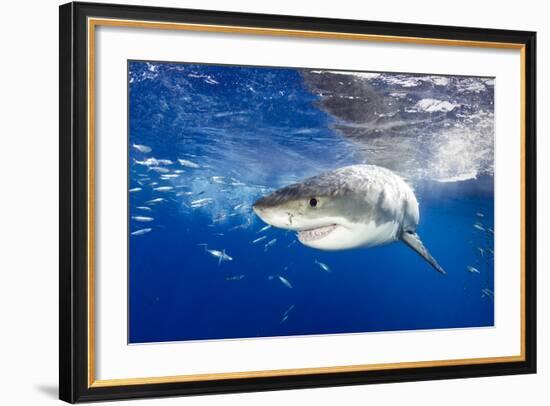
[{"x": 316, "y": 233}]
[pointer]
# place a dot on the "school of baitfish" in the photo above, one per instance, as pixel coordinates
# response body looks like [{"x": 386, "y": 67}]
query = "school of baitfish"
[{"x": 165, "y": 170}]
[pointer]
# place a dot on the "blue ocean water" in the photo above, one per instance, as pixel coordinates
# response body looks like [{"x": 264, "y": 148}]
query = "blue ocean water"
[{"x": 206, "y": 141}]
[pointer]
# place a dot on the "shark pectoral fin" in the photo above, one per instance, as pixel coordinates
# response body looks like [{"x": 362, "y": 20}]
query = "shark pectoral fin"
[{"x": 413, "y": 241}]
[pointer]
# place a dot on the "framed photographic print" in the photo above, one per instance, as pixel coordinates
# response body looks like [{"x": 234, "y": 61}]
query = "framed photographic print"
[{"x": 256, "y": 202}]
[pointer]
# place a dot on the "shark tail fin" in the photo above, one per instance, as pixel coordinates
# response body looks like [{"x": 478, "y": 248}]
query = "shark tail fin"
[{"x": 413, "y": 241}]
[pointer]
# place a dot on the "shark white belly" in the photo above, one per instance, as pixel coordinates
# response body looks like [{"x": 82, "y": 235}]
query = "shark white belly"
[{"x": 351, "y": 207}]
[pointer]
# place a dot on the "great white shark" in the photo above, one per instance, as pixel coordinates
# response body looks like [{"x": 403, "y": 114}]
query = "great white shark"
[{"x": 350, "y": 207}]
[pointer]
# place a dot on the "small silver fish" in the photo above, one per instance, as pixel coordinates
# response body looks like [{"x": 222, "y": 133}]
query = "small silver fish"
[
  {"x": 142, "y": 148},
  {"x": 285, "y": 281},
  {"x": 144, "y": 208},
  {"x": 155, "y": 201},
  {"x": 142, "y": 219},
  {"x": 149, "y": 162},
  {"x": 221, "y": 255},
  {"x": 264, "y": 228},
  {"x": 471, "y": 269},
  {"x": 159, "y": 169},
  {"x": 289, "y": 310},
  {"x": 188, "y": 164},
  {"x": 270, "y": 244},
  {"x": 479, "y": 227},
  {"x": 487, "y": 292},
  {"x": 244, "y": 225},
  {"x": 142, "y": 231},
  {"x": 163, "y": 188},
  {"x": 480, "y": 214},
  {"x": 204, "y": 200},
  {"x": 219, "y": 217},
  {"x": 259, "y": 239},
  {"x": 323, "y": 266},
  {"x": 201, "y": 202},
  {"x": 286, "y": 314},
  {"x": 481, "y": 251},
  {"x": 133, "y": 190},
  {"x": 234, "y": 278},
  {"x": 217, "y": 179}
]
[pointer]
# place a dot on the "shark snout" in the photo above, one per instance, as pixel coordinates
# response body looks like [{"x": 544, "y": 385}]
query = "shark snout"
[
  {"x": 258, "y": 209},
  {"x": 274, "y": 217}
]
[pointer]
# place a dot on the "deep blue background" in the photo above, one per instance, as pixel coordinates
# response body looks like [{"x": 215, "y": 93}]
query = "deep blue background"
[{"x": 252, "y": 130}]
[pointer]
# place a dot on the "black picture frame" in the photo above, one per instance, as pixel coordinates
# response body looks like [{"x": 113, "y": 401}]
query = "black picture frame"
[{"x": 74, "y": 385}]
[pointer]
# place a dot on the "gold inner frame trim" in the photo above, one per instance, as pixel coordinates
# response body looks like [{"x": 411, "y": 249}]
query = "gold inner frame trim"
[{"x": 94, "y": 22}]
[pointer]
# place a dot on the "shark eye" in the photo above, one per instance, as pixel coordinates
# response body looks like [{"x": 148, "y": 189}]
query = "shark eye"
[{"x": 313, "y": 202}]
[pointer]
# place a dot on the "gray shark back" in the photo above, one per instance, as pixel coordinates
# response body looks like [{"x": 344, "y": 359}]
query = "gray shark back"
[{"x": 383, "y": 195}]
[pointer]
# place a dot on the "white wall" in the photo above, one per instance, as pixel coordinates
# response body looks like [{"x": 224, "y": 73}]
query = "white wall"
[{"x": 29, "y": 187}]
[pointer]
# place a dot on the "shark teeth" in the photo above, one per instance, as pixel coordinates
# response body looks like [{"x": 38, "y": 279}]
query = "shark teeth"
[{"x": 315, "y": 233}]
